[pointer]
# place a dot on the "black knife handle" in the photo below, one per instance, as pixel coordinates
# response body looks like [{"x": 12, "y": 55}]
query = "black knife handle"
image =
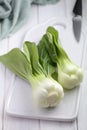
[{"x": 78, "y": 8}]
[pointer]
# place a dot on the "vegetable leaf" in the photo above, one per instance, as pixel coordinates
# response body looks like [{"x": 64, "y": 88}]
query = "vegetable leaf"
[
  {"x": 45, "y": 60},
  {"x": 17, "y": 62},
  {"x": 53, "y": 32},
  {"x": 31, "y": 50}
]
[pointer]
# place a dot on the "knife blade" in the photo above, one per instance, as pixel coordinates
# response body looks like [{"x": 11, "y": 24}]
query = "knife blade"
[{"x": 77, "y": 19}]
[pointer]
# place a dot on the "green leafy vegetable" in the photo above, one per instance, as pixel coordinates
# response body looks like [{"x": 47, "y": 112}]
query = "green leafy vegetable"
[
  {"x": 69, "y": 74},
  {"x": 46, "y": 91}
]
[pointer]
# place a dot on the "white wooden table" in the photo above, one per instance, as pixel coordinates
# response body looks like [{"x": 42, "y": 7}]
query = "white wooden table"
[{"x": 41, "y": 14}]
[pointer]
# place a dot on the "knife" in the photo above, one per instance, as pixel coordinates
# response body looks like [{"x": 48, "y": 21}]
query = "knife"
[{"x": 77, "y": 19}]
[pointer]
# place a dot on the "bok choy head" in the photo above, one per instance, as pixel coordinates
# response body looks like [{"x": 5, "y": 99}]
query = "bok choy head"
[
  {"x": 69, "y": 74},
  {"x": 45, "y": 90}
]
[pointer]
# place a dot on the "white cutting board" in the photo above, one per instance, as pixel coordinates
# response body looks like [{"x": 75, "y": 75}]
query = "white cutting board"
[{"x": 19, "y": 102}]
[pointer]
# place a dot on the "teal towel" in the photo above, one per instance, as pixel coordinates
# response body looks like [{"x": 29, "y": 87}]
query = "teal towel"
[{"x": 14, "y": 13}]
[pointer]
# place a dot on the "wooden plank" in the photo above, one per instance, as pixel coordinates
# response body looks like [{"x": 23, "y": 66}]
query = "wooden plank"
[
  {"x": 50, "y": 125},
  {"x": 20, "y": 124},
  {"x": 3, "y": 49},
  {"x": 84, "y": 16},
  {"x": 84, "y": 5},
  {"x": 53, "y": 10},
  {"x": 82, "y": 115},
  {"x": 69, "y": 7},
  {"x": 15, "y": 40}
]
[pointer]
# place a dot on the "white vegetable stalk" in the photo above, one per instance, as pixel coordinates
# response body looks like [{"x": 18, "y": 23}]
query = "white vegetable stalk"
[
  {"x": 69, "y": 75},
  {"x": 46, "y": 91}
]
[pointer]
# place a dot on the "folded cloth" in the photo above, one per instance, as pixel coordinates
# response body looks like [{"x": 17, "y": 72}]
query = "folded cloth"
[{"x": 14, "y": 13}]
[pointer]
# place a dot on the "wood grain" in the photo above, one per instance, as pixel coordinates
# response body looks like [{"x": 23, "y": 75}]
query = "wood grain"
[
  {"x": 3, "y": 49},
  {"x": 39, "y": 14}
]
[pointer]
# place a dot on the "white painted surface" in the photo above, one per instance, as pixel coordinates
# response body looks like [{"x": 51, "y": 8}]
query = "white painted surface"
[{"x": 40, "y": 14}]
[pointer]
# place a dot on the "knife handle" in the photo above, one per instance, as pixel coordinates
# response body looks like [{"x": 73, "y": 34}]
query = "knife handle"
[{"x": 78, "y": 8}]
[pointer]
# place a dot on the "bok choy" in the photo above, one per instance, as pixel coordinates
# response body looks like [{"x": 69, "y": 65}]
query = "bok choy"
[
  {"x": 45, "y": 90},
  {"x": 69, "y": 74}
]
